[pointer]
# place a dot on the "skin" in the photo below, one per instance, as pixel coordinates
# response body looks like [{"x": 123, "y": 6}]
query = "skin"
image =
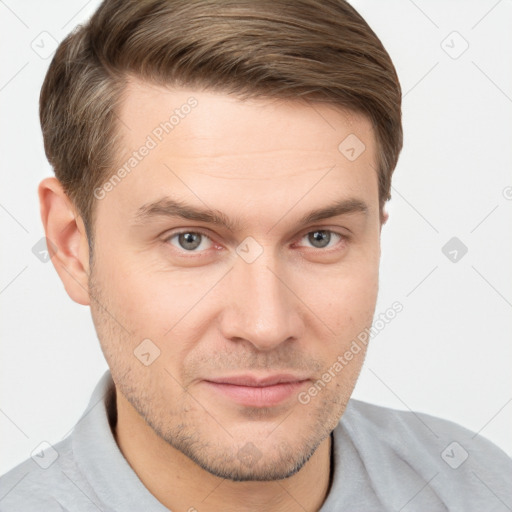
[{"x": 294, "y": 309}]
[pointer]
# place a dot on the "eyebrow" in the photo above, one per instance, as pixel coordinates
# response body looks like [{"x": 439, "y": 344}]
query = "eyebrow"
[{"x": 170, "y": 207}]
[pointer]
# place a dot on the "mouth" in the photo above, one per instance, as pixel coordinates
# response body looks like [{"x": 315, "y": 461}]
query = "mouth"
[{"x": 254, "y": 391}]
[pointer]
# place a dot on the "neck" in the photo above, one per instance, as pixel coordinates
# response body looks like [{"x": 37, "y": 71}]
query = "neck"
[{"x": 180, "y": 484}]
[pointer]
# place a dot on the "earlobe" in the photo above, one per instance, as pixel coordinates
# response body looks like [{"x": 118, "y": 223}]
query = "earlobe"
[
  {"x": 67, "y": 239},
  {"x": 383, "y": 217}
]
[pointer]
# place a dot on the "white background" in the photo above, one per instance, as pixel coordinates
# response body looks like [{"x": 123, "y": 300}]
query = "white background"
[{"x": 447, "y": 354}]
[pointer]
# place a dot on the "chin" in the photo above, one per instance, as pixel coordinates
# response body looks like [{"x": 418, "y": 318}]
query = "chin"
[{"x": 260, "y": 471}]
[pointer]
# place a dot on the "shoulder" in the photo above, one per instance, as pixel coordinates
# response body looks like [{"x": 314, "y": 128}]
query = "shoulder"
[
  {"x": 462, "y": 467},
  {"x": 49, "y": 481},
  {"x": 396, "y": 426}
]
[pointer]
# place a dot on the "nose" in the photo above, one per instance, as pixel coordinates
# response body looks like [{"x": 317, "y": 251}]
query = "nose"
[{"x": 261, "y": 307}]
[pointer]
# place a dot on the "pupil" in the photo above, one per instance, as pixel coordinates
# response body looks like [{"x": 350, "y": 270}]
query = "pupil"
[
  {"x": 189, "y": 240},
  {"x": 320, "y": 238}
]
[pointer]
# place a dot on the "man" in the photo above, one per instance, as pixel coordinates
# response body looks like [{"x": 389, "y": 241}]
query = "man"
[{"x": 222, "y": 171}]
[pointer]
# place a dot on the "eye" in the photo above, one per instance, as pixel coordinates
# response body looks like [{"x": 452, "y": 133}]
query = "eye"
[
  {"x": 197, "y": 242},
  {"x": 189, "y": 241},
  {"x": 321, "y": 238}
]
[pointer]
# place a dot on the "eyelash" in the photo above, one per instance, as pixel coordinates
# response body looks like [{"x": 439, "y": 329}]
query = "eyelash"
[{"x": 167, "y": 239}]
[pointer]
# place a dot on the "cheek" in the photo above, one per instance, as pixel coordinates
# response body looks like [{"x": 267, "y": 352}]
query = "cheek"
[
  {"x": 141, "y": 293},
  {"x": 164, "y": 307},
  {"x": 344, "y": 296},
  {"x": 346, "y": 305}
]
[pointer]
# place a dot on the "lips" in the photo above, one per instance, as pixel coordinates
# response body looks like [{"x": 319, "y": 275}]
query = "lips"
[
  {"x": 257, "y": 391},
  {"x": 254, "y": 381}
]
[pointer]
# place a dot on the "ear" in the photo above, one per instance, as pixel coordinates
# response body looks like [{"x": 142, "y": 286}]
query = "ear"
[
  {"x": 384, "y": 215},
  {"x": 67, "y": 239}
]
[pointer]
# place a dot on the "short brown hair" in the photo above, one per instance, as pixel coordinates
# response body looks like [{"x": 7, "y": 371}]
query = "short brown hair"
[{"x": 319, "y": 50}]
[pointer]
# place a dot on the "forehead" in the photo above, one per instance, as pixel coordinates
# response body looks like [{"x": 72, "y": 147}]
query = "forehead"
[
  {"x": 206, "y": 144},
  {"x": 219, "y": 121}
]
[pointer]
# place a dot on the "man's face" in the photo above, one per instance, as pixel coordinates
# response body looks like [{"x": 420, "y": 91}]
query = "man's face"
[{"x": 239, "y": 321}]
